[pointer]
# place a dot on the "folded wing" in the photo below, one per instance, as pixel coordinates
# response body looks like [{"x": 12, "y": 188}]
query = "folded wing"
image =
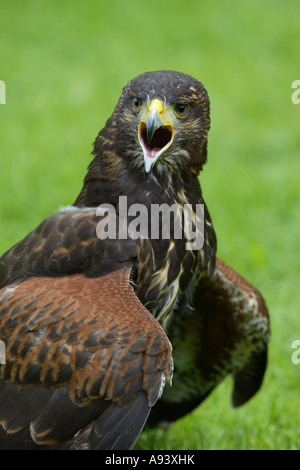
[
  {"x": 85, "y": 362},
  {"x": 225, "y": 331}
]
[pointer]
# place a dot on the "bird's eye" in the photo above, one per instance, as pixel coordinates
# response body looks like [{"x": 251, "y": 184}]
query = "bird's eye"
[
  {"x": 136, "y": 103},
  {"x": 181, "y": 110}
]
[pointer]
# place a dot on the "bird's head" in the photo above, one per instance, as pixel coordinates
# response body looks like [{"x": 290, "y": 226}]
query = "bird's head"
[{"x": 162, "y": 119}]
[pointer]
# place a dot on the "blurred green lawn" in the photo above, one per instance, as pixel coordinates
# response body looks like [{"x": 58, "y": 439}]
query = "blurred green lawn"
[{"x": 64, "y": 64}]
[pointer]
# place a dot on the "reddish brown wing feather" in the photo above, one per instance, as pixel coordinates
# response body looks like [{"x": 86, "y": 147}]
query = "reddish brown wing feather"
[
  {"x": 252, "y": 325},
  {"x": 91, "y": 337},
  {"x": 239, "y": 282},
  {"x": 235, "y": 331}
]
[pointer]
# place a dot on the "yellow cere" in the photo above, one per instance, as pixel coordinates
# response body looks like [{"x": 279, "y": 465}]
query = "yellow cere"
[{"x": 158, "y": 105}]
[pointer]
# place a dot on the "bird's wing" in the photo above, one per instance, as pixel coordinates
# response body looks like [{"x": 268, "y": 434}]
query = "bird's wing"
[
  {"x": 234, "y": 331},
  {"x": 79, "y": 352},
  {"x": 250, "y": 315},
  {"x": 224, "y": 332},
  {"x": 70, "y": 241}
]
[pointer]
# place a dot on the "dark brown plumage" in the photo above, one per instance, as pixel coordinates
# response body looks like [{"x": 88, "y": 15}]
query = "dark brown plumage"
[
  {"x": 224, "y": 332},
  {"x": 82, "y": 313}
]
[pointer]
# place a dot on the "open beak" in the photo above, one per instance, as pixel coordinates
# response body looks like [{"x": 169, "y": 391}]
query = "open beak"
[{"x": 155, "y": 134}]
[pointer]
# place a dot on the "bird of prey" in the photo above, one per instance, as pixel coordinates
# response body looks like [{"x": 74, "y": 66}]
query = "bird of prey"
[{"x": 86, "y": 298}]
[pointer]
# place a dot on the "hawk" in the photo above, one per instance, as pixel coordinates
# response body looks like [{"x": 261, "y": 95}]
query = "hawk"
[{"x": 86, "y": 298}]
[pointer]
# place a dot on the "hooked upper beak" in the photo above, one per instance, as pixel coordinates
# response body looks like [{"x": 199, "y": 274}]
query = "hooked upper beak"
[{"x": 155, "y": 134}]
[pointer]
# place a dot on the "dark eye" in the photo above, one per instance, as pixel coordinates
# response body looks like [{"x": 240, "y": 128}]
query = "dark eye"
[
  {"x": 181, "y": 109},
  {"x": 136, "y": 103}
]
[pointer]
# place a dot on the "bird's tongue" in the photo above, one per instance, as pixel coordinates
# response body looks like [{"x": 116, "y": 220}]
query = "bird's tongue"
[{"x": 160, "y": 139}]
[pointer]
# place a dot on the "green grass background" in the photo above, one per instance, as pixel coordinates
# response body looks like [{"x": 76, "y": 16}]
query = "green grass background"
[{"x": 64, "y": 64}]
